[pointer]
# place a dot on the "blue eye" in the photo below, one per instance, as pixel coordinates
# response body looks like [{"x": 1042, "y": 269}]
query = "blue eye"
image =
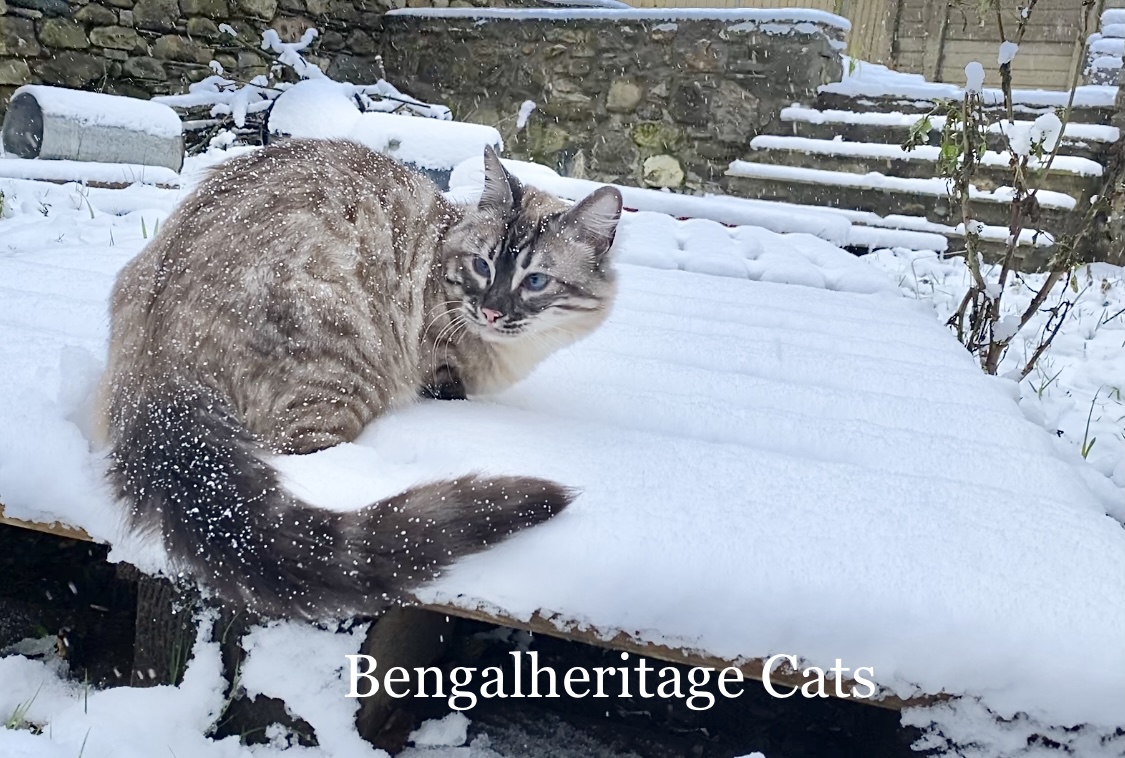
[
  {"x": 480, "y": 265},
  {"x": 536, "y": 281}
]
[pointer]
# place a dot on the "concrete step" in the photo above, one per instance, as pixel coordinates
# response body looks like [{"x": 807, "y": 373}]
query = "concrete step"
[
  {"x": 885, "y": 195},
  {"x": 1090, "y": 141},
  {"x": 900, "y": 104},
  {"x": 1072, "y": 175}
]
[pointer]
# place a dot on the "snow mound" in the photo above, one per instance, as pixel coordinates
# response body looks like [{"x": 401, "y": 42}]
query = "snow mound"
[
  {"x": 450, "y": 731},
  {"x": 322, "y": 108}
]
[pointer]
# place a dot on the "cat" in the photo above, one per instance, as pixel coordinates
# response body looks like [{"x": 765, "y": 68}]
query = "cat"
[{"x": 297, "y": 294}]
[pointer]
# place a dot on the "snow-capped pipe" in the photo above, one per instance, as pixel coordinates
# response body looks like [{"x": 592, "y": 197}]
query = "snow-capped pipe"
[{"x": 56, "y": 123}]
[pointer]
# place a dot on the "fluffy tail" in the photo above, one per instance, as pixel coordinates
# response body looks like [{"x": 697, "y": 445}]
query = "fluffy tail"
[{"x": 192, "y": 472}]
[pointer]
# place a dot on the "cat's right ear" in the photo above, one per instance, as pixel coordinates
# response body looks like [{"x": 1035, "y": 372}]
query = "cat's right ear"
[{"x": 500, "y": 188}]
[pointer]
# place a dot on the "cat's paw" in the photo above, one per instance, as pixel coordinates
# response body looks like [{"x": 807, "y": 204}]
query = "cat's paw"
[{"x": 445, "y": 385}]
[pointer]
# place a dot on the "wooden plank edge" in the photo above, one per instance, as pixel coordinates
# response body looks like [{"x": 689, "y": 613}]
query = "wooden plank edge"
[
  {"x": 93, "y": 183},
  {"x": 55, "y": 528},
  {"x": 751, "y": 669},
  {"x": 620, "y": 641}
]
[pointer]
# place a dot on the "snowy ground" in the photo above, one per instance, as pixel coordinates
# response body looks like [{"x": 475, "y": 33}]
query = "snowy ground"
[
  {"x": 761, "y": 407},
  {"x": 1077, "y": 390}
]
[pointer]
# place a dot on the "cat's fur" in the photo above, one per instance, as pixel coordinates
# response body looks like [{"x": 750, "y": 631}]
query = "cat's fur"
[{"x": 297, "y": 294}]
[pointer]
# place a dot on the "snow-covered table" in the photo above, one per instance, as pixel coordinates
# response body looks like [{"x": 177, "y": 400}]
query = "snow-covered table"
[{"x": 777, "y": 454}]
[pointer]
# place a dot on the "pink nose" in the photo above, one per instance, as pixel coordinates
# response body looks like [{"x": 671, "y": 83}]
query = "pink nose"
[{"x": 491, "y": 315}]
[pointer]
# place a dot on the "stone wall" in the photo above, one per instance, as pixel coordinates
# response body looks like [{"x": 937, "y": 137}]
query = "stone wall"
[
  {"x": 147, "y": 47},
  {"x": 660, "y": 99}
]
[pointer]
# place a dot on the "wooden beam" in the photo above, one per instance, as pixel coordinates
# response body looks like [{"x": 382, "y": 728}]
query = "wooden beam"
[
  {"x": 937, "y": 21},
  {"x": 55, "y": 528},
  {"x": 781, "y": 678},
  {"x": 556, "y": 626}
]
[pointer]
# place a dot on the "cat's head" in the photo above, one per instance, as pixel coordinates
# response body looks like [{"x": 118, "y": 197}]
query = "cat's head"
[{"x": 525, "y": 262}]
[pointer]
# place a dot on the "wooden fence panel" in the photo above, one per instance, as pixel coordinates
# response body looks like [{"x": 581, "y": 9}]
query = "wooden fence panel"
[{"x": 931, "y": 38}]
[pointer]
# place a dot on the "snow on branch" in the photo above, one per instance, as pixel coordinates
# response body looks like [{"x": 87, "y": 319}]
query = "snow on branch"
[{"x": 222, "y": 109}]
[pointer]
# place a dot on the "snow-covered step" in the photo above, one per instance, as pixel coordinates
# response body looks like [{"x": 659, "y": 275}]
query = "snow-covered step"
[
  {"x": 878, "y": 193},
  {"x": 466, "y": 179},
  {"x": 1090, "y": 141},
  {"x": 1073, "y": 175},
  {"x": 1104, "y": 52},
  {"x": 1099, "y": 109},
  {"x": 871, "y": 231}
]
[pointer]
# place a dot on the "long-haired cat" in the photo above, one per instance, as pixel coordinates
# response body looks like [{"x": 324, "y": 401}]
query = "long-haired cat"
[{"x": 297, "y": 294}]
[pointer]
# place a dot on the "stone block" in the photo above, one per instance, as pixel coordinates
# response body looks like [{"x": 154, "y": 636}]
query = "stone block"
[
  {"x": 210, "y": 8},
  {"x": 96, "y": 15},
  {"x": 663, "y": 171},
  {"x": 116, "y": 37},
  {"x": 360, "y": 43},
  {"x": 290, "y": 28},
  {"x": 656, "y": 136},
  {"x": 44, "y": 7},
  {"x": 144, "y": 67},
  {"x": 263, "y": 9},
  {"x": 71, "y": 68},
  {"x": 14, "y": 71},
  {"x": 351, "y": 68},
  {"x": 624, "y": 95},
  {"x": 202, "y": 27},
  {"x": 156, "y": 15},
  {"x": 332, "y": 41},
  {"x": 173, "y": 47},
  {"x": 17, "y": 37},
  {"x": 571, "y": 106},
  {"x": 63, "y": 33}
]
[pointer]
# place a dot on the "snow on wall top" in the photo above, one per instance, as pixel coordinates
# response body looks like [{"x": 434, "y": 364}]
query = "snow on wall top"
[
  {"x": 826, "y": 473},
  {"x": 98, "y": 109},
  {"x": 773, "y": 16}
]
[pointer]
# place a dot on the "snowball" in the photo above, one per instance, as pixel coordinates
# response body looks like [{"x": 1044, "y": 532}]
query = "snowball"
[
  {"x": 1008, "y": 51},
  {"x": 1006, "y": 328},
  {"x": 1019, "y": 137},
  {"x": 525, "y": 111},
  {"x": 315, "y": 108},
  {"x": 974, "y": 77},
  {"x": 1046, "y": 130}
]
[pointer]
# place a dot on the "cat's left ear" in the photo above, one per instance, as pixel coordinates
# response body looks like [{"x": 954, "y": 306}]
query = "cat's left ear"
[
  {"x": 502, "y": 191},
  {"x": 595, "y": 218}
]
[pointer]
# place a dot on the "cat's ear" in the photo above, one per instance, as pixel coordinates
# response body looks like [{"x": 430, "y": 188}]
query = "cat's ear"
[
  {"x": 594, "y": 219},
  {"x": 502, "y": 191}
]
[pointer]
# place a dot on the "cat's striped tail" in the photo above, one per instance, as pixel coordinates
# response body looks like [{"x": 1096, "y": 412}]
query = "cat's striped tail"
[{"x": 192, "y": 473}]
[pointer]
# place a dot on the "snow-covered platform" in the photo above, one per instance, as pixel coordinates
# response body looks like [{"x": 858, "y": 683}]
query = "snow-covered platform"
[{"x": 777, "y": 454}]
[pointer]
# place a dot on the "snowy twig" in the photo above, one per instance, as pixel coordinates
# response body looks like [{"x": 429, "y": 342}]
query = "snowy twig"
[{"x": 977, "y": 320}]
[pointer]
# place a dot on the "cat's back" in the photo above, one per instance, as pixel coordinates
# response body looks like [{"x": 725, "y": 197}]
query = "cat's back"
[{"x": 326, "y": 182}]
